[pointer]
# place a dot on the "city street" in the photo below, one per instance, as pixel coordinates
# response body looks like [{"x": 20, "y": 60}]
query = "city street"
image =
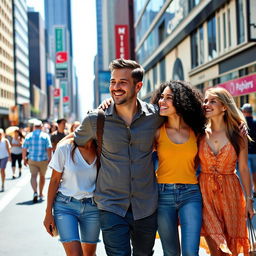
[{"x": 21, "y": 222}]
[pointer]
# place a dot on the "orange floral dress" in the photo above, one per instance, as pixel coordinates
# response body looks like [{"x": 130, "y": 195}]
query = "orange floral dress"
[{"x": 224, "y": 206}]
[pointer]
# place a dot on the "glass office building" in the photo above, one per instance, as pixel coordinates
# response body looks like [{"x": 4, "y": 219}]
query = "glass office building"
[{"x": 207, "y": 42}]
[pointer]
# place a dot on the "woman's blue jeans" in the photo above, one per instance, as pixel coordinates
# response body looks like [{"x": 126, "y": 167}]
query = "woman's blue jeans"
[{"x": 179, "y": 204}]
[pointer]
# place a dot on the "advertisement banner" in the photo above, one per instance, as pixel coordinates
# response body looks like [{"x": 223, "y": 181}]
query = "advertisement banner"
[
  {"x": 240, "y": 86},
  {"x": 122, "y": 41}
]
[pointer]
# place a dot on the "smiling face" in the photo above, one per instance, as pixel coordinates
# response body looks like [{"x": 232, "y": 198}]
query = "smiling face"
[
  {"x": 213, "y": 106},
  {"x": 122, "y": 87},
  {"x": 166, "y": 103}
]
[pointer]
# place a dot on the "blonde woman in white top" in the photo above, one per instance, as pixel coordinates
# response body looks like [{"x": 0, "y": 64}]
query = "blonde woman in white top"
[{"x": 5, "y": 154}]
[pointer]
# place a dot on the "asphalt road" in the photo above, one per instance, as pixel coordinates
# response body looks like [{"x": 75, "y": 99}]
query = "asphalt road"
[{"x": 21, "y": 222}]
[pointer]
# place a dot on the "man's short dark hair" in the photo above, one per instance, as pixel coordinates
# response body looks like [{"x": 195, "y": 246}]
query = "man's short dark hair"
[
  {"x": 137, "y": 69},
  {"x": 60, "y": 120}
]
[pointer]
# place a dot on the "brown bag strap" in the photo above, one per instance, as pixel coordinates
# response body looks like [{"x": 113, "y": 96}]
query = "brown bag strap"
[{"x": 99, "y": 133}]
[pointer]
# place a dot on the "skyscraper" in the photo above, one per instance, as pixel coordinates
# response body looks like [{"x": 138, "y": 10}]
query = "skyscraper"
[
  {"x": 57, "y": 12},
  {"x": 58, "y": 22},
  {"x": 37, "y": 65},
  {"x": 7, "y": 97},
  {"x": 21, "y": 58},
  {"x": 114, "y": 40}
]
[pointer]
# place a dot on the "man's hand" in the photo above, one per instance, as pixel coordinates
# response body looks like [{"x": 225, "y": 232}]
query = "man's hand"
[{"x": 105, "y": 103}]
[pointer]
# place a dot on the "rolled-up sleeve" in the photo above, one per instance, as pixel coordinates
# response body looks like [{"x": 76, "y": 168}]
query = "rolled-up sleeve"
[{"x": 86, "y": 130}]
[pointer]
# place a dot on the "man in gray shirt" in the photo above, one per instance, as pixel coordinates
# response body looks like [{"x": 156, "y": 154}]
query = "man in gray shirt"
[{"x": 126, "y": 190}]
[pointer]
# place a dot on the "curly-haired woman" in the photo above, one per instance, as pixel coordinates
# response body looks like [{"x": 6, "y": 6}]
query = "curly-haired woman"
[
  {"x": 180, "y": 199},
  {"x": 225, "y": 207}
]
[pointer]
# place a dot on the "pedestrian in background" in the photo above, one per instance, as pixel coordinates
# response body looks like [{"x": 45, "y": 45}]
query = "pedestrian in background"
[
  {"x": 39, "y": 146},
  {"x": 247, "y": 111},
  {"x": 16, "y": 151},
  {"x": 70, "y": 205},
  {"x": 53, "y": 127},
  {"x": 225, "y": 207},
  {"x": 5, "y": 154},
  {"x": 74, "y": 125},
  {"x": 59, "y": 134}
]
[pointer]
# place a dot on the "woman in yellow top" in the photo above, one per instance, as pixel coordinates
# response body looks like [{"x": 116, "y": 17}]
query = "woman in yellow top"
[{"x": 180, "y": 200}]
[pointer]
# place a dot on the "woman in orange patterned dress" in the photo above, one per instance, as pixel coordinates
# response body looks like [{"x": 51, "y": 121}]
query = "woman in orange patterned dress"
[{"x": 225, "y": 208}]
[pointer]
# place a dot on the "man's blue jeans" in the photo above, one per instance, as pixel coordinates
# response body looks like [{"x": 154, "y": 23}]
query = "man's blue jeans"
[
  {"x": 179, "y": 204},
  {"x": 117, "y": 232}
]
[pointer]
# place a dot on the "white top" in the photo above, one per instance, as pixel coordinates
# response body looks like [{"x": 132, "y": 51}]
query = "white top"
[
  {"x": 79, "y": 177},
  {"x": 16, "y": 150},
  {"x": 3, "y": 148}
]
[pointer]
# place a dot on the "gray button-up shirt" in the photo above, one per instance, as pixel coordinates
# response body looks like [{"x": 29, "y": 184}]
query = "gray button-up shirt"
[{"x": 126, "y": 176}]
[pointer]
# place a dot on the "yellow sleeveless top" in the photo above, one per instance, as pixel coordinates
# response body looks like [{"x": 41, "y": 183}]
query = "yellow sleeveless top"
[{"x": 176, "y": 161}]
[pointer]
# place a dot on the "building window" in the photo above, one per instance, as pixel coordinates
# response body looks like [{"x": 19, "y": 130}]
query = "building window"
[
  {"x": 240, "y": 21},
  {"x": 162, "y": 71},
  {"x": 201, "y": 45},
  {"x": 229, "y": 29},
  {"x": 155, "y": 78},
  {"x": 219, "y": 34},
  {"x": 197, "y": 47},
  {"x": 193, "y": 3},
  {"x": 161, "y": 32},
  {"x": 148, "y": 86},
  {"x": 211, "y": 29},
  {"x": 194, "y": 50},
  {"x": 224, "y": 30},
  {"x": 178, "y": 73}
]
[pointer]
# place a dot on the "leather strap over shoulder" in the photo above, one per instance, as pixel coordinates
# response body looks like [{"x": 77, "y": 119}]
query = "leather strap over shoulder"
[{"x": 99, "y": 133}]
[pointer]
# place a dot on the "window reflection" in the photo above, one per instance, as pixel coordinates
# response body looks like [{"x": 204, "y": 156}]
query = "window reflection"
[
  {"x": 240, "y": 21},
  {"x": 211, "y": 27}
]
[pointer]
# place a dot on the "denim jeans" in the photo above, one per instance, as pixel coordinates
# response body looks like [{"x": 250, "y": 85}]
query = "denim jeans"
[
  {"x": 179, "y": 204},
  {"x": 117, "y": 232},
  {"x": 72, "y": 215}
]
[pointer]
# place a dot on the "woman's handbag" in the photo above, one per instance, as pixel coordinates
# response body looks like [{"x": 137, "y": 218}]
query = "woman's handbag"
[{"x": 252, "y": 238}]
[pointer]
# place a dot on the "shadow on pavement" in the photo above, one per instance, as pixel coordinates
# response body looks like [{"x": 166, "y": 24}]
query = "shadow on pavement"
[{"x": 30, "y": 202}]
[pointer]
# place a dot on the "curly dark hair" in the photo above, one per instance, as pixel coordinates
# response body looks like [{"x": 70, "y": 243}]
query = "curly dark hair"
[{"x": 188, "y": 103}]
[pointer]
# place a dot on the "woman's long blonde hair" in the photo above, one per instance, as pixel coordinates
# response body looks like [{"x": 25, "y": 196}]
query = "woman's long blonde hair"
[{"x": 233, "y": 117}]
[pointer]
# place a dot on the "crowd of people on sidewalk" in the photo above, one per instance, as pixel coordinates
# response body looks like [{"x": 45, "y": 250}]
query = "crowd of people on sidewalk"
[
  {"x": 108, "y": 182},
  {"x": 33, "y": 146}
]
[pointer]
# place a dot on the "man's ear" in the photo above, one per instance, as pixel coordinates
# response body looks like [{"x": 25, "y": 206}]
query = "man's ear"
[{"x": 138, "y": 86}]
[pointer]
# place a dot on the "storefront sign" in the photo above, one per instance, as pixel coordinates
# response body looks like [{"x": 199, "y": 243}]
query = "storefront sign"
[
  {"x": 122, "y": 41},
  {"x": 241, "y": 86}
]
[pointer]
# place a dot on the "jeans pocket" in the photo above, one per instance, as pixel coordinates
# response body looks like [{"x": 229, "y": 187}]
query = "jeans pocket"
[{"x": 61, "y": 199}]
